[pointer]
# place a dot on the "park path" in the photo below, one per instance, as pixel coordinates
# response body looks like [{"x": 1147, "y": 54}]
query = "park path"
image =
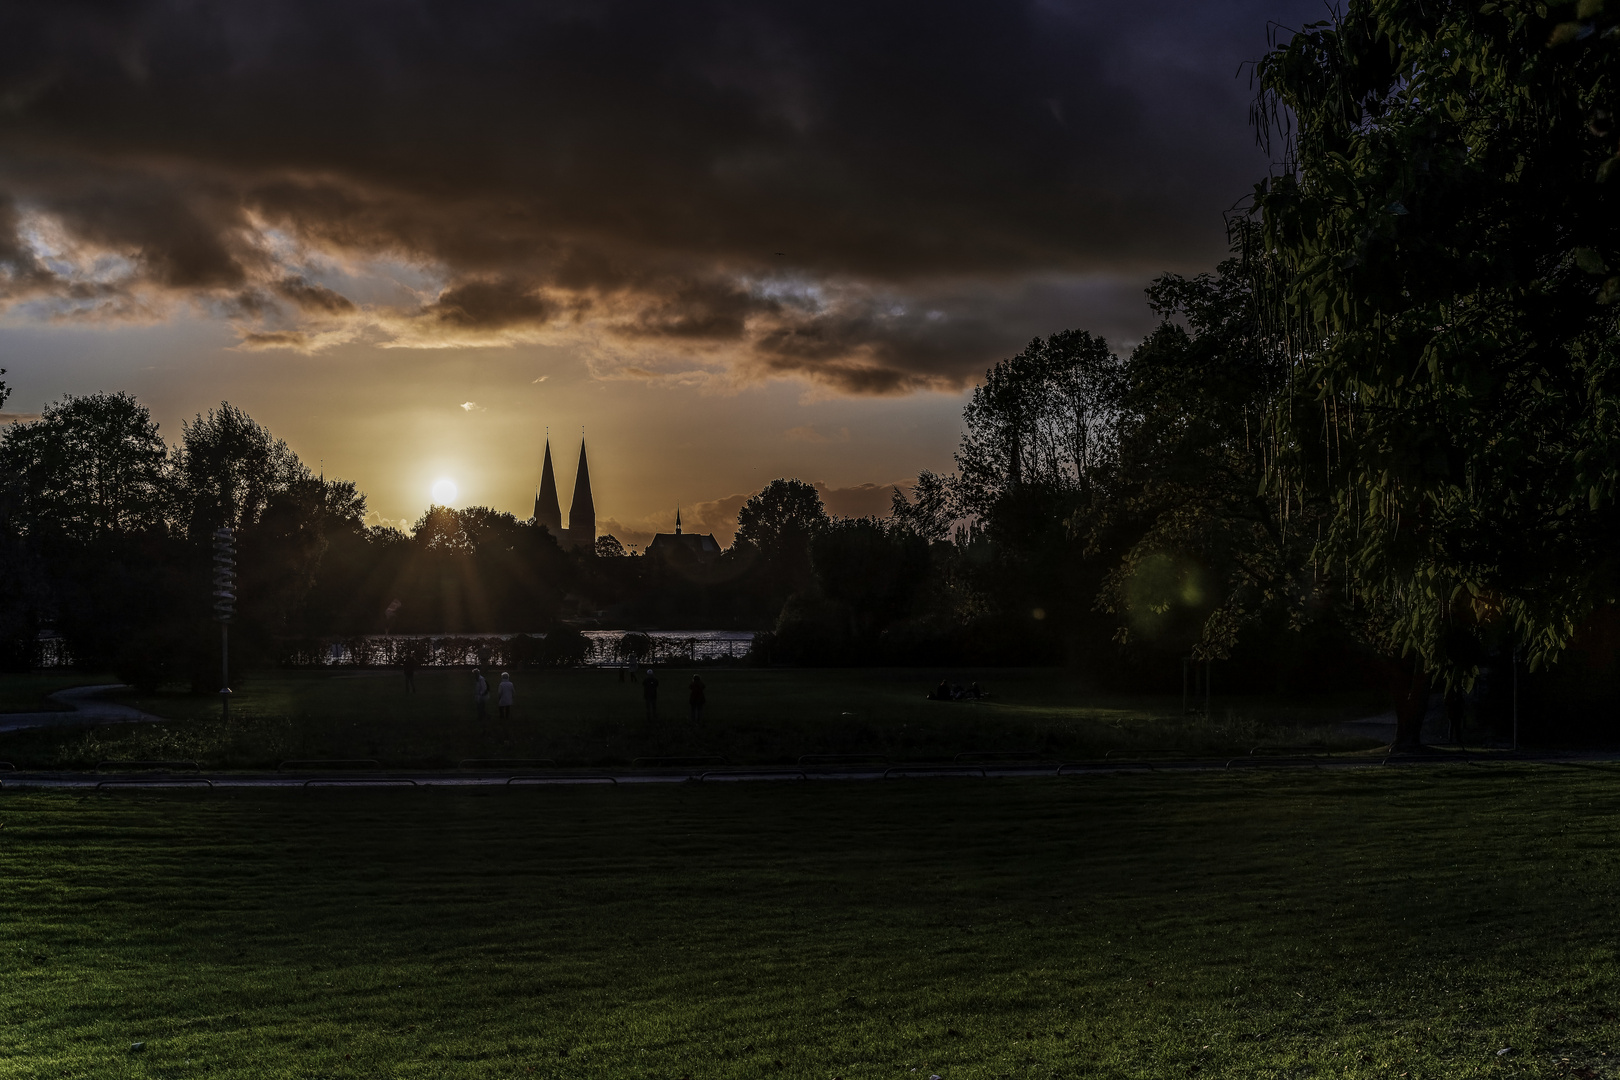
[
  {"x": 86, "y": 710},
  {"x": 186, "y": 774}
]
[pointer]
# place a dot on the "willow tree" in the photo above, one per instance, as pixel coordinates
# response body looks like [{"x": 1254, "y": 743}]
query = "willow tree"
[{"x": 1445, "y": 250}]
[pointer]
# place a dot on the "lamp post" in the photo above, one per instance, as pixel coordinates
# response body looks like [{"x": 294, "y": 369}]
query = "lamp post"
[{"x": 224, "y": 608}]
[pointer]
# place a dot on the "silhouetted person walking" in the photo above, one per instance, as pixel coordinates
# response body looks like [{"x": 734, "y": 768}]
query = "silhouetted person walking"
[
  {"x": 480, "y": 693},
  {"x": 696, "y": 698},
  {"x": 410, "y": 672},
  {"x": 503, "y": 696},
  {"x": 649, "y": 694}
]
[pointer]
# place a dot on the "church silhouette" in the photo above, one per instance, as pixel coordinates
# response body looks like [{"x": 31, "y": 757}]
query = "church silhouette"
[{"x": 581, "y": 531}]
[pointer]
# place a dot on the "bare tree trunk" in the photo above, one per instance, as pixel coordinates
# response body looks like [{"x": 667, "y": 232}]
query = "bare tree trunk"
[
  {"x": 1410, "y": 688},
  {"x": 1456, "y": 704}
]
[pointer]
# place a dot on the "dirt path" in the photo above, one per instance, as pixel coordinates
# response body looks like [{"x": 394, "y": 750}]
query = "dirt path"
[{"x": 86, "y": 710}]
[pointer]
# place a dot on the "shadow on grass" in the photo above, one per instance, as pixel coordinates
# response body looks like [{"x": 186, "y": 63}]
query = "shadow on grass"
[{"x": 592, "y": 717}]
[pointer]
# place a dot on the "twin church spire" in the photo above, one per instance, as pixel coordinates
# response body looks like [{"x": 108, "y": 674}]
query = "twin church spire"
[{"x": 581, "y": 531}]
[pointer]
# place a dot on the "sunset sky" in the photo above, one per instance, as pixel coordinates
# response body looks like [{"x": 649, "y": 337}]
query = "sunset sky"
[{"x": 729, "y": 241}]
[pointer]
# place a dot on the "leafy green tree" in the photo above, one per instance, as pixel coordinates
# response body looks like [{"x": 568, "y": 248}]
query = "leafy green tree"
[
  {"x": 774, "y": 528},
  {"x": 872, "y": 569},
  {"x": 89, "y": 466},
  {"x": 1040, "y": 441},
  {"x": 227, "y": 468},
  {"x": 1046, "y": 418},
  {"x": 83, "y": 520},
  {"x": 1207, "y": 550},
  {"x": 931, "y": 511},
  {"x": 1443, "y": 251}
]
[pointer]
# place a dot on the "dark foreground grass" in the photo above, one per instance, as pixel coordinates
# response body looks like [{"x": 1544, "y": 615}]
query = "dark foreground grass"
[
  {"x": 1381, "y": 924},
  {"x": 592, "y": 717}
]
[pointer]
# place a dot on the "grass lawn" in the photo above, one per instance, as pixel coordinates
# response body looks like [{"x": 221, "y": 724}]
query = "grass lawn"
[
  {"x": 1381, "y": 924},
  {"x": 591, "y": 717}
]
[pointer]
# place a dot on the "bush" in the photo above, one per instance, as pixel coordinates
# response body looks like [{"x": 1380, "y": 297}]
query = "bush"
[
  {"x": 564, "y": 646},
  {"x": 813, "y": 631}
]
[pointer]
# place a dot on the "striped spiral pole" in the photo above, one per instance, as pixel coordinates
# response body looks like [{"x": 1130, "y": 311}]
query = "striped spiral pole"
[
  {"x": 224, "y": 608},
  {"x": 224, "y": 575}
]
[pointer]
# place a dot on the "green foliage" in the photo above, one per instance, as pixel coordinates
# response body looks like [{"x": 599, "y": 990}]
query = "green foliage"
[
  {"x": 563, "y": 646},
  {"x": 774, "y": 528},
  {"x": 1045, "y": 418},
  {"x": 779, "y": 521},
  {"x": 1208, "y": 551},
  {"x": 228, "y": 467},
  {"x": 874, "y": 570},
  {"x": 88, "y": 467},
  {"x": 931, "y": 511},
  {"x": 1437, "y": 246}
]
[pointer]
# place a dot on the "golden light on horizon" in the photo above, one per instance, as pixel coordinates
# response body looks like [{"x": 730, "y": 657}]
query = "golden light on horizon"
[{"x": 444, "y": 491}]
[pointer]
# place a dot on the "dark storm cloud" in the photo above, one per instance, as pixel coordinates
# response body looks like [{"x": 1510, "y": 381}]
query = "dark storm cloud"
[{"x": 783, "y": 185}]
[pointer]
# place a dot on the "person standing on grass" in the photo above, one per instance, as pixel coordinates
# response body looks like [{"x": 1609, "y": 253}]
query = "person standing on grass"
[
  {"x": 697, "y": 697},
  {"x": 480, "y": 692},
  {"x": 503, "y": 696},
  {"x": 649, "y": 694},
  {"x": 410, "y": 671}
]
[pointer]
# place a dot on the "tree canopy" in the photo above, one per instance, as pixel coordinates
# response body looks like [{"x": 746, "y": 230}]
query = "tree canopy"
[{"x": 1440, "y": 255}]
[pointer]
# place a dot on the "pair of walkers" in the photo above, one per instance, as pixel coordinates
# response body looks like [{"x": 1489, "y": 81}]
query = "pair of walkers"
[
  {"x": 503, "y": 694},
  {"x": 696, "y": 696}
]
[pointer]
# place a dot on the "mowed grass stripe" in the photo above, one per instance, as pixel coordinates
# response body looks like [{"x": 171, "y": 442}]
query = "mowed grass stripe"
[{"x": 1359, "y": 925}]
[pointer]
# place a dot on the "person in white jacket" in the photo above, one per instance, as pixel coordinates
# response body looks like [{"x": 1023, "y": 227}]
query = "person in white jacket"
[{"x": 503, "y": 696}]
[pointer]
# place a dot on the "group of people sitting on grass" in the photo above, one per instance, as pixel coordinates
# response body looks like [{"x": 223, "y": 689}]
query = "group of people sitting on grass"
[{"x": 949, "y": 691}]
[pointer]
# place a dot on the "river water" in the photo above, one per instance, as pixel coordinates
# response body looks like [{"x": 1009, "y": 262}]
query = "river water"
[{"x": 447, "y": 650}]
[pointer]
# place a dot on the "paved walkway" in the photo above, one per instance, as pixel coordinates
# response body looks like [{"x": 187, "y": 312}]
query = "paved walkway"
[
  {"x": 130, "y": 776},
  {"x": 85, "y": 710}
]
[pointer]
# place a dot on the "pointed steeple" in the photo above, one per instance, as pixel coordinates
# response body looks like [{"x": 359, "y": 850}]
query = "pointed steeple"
[
  {"x": 582, "y": 512},
  {"x": 547, "y": 507},
  {"x": 677, "y": 521}
]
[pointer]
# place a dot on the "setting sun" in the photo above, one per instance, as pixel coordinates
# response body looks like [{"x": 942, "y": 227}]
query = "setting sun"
[{"x": 444, "y": 491}]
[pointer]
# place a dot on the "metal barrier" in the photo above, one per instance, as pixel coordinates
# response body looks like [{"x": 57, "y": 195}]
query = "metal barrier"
[
  {"x": 328, "y": 763},
  {"x": 1026, "y": 755},
  {"x": 933, "y": 770},
  {"x": 663, "y": 762},
  {"x": 1094, "y": 766},
  {"x": 540, "y": 780},
  {"x": 363, "y": 781},
  {"x": 157, "y": 781},
  {"x": 1276, "y": 763},
  {"x": 171, "y": 765},
  {"x": 812, "y": 760},
  {"x": 506, "y": 763},
  {"x": 755, "y": 774}
]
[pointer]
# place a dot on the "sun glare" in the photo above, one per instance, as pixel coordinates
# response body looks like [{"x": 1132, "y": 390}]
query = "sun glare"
[{"x": 444, "y": 491}]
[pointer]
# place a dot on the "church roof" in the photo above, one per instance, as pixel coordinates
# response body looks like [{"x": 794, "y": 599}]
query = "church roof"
[
  {"x": 702, "y": 545},
  {"x": 547, "y": 507},
  {"x": 583, "y": 506}
]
